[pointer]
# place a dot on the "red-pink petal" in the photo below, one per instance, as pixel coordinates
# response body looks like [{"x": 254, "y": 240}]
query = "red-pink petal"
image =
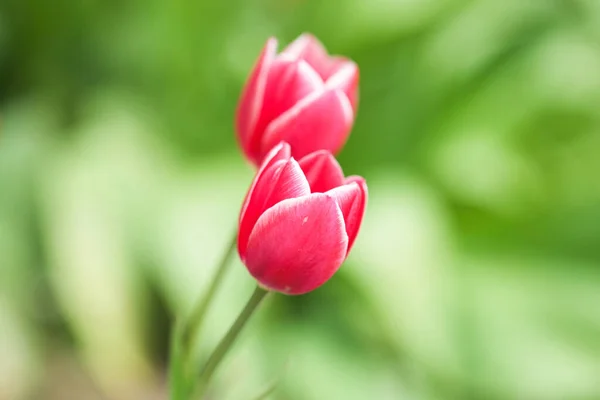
[
  {"x": 322, "y": 171},
  {"x": 352, "y": 200},
  {"x": 250, "y": 103},
  {"x": 309, "y": 48},
  {"x": 298, "y": 244},
  {"x": 284, "y": 179},
  {"x": 288, "y": 81},
  {"x": 345, "y": 78},
  {"x": 281, "y": 151},
  {"x": 320, "y": 121}
]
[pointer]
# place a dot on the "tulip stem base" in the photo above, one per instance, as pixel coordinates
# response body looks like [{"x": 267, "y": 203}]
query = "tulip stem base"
[{"x": 225, "y": 344}]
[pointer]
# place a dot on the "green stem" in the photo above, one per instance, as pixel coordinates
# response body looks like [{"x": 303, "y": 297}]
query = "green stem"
[
  {"x": 225, "y": 344},
  {"x": 194, "y": 323}
]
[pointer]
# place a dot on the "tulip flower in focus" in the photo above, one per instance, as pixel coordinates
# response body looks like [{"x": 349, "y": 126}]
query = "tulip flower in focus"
[
  {"x": 302, "y": 96},
  {"x": 299, "y": 220}
]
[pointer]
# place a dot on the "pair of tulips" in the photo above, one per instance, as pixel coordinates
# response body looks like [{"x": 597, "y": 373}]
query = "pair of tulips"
[{"x": 301, "y": 215}]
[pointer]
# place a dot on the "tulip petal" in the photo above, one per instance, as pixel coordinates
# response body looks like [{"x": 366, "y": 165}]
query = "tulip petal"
[
  {"x": 307, "y": 47},
  {"x": 352, "y": 200},
  {"x": 345, "y": 78},
  {"x": 322, "y": 171},
  {"x": 281, "y": 151},
  {"x": 321, "y": 120},
  {"x": 284, "y": 179},
  {"x": 289, "y": 80},
  {"x": 298, "y": 244},
  {"x": 250, "y": 102}
]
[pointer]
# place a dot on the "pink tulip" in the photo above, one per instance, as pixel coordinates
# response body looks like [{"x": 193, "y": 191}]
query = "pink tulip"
[
  {"x": 302, "y": 96},
  {"x": 299, "y": 220}
]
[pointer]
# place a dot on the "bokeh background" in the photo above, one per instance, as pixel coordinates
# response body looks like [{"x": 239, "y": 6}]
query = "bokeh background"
[{"x": 475, "y": 275}]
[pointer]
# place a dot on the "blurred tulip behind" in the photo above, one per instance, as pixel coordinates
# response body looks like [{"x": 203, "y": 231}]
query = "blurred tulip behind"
[
  {"x": 303, "y": 96},
  {"x": 476, "y": 274}
]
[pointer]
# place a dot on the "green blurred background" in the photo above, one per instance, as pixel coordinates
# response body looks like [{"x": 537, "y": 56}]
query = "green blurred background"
[{"x": 475, "y": 275}]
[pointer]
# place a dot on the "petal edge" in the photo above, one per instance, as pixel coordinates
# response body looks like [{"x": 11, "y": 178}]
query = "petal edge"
[
  {"x": 352, "y": 200},
  {"x": 251, "y": 99},
  {"x": 283, "y": 180}
]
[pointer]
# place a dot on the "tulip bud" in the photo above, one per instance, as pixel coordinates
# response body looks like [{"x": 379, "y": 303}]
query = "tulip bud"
[
  {"x": 299, "y": 220},
  {"x": 302, "y": 96}
]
